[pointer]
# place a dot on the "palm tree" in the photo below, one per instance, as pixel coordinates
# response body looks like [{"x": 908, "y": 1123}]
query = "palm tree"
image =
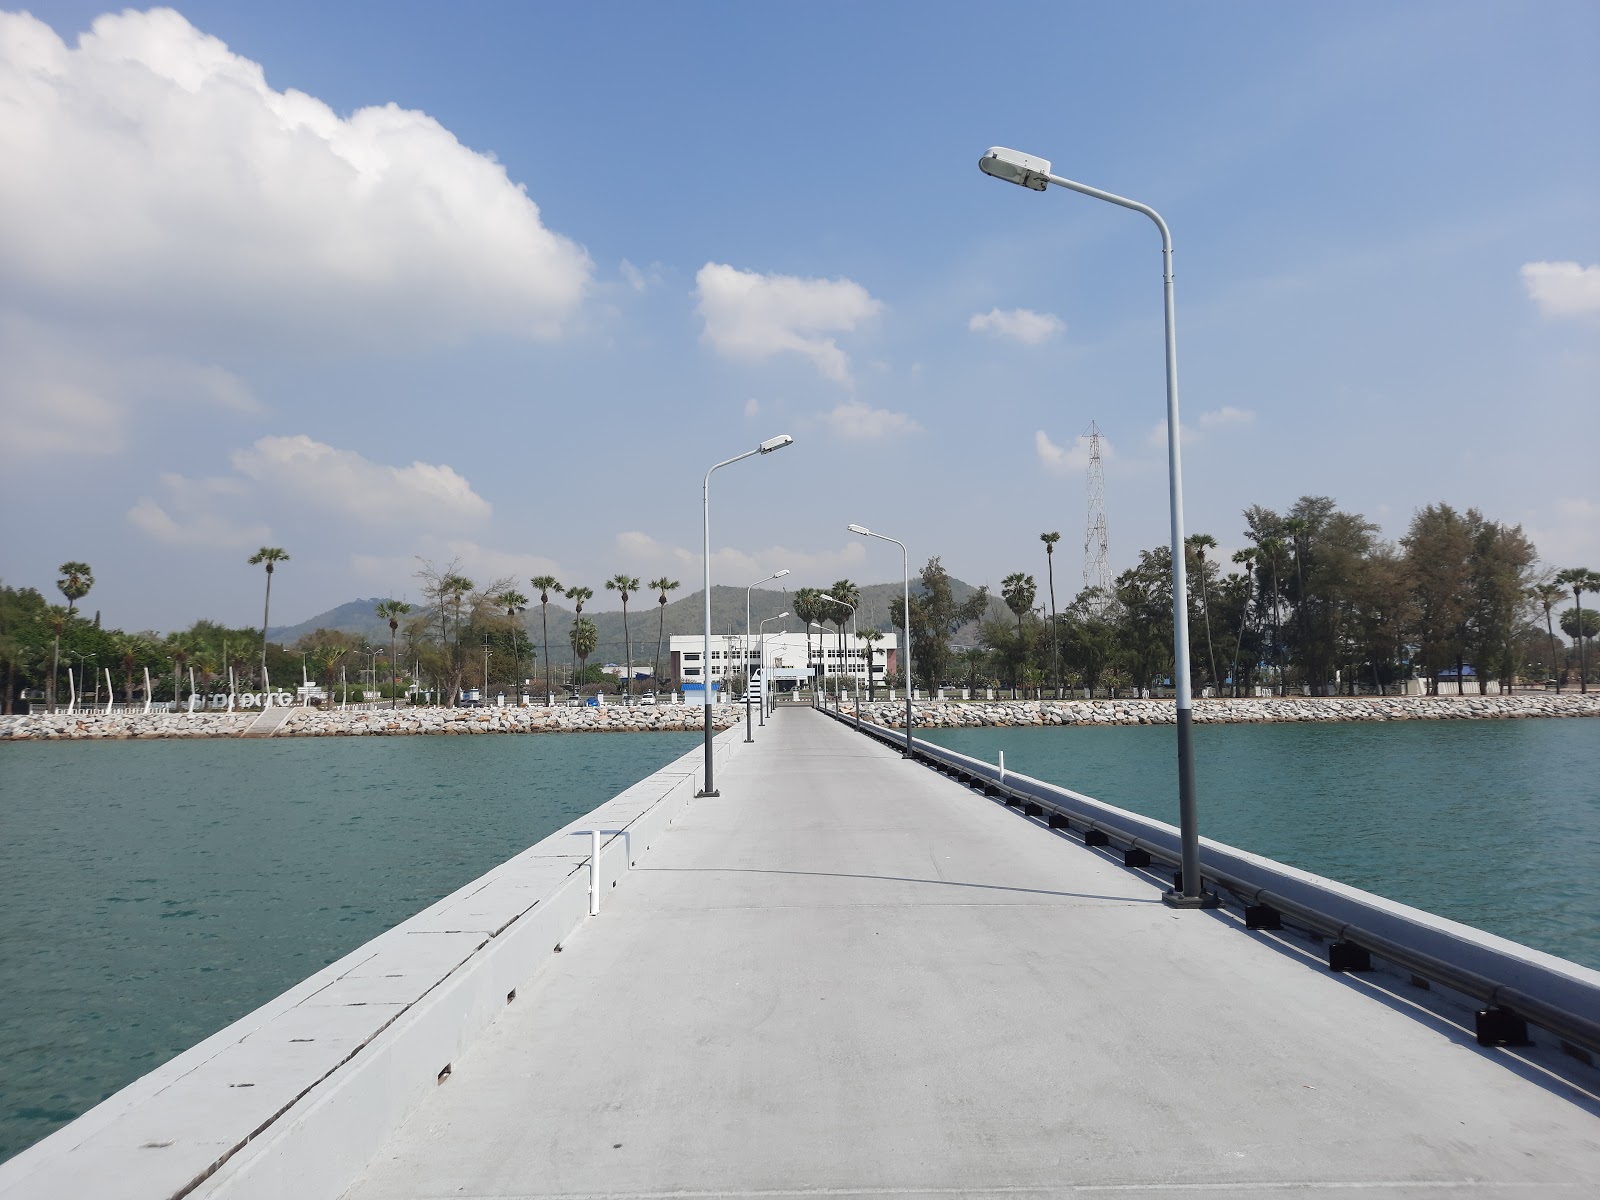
[
  {"x": 585, "y": 637},
  {"x": 1019, "y": 591},
  {"x": 850, "y": 594},
  {"x": 578, "y": 595},
  {"x": 1547, "y": 595},
  {"x": 128, "y": 649},
  {"x": 1050, "y": 540},
  {"x": 77, "y": 579},
  {"x": 625, "y": 585},
  {"x": 267, "y": 555},
  {"x": 546, "y": 584},
  {"x": 809, "y": 607},
  {"x": 181, "y": 645},
  {"x": 58, "y": 618},
  {"x": 1200, "y": 543},
  {"x": 391, "y": 611},
  {"x": 1580, "y": 580},
  {"x": 1247, "y": 559},
  {"x": 662, "y": 586},
  {"x": 871, "y": 637},
  {"x": 514, "y": 602}
]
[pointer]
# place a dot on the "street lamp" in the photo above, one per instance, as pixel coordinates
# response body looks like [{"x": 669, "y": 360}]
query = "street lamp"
[
  {"x": 855, "y": 692},
  {"x": 766, "y": 447},
  {"x": 905, "y": 567},
  {"x": 1034, "y": 173},
  {"x": 811, "y": 666},
  {"x": 746, "y": 655},
  {"x": 762, "y": 656}
]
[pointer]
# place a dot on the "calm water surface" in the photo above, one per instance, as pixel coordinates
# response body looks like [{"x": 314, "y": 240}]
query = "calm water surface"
[
  {"x": 153, "y": 892},
  {"x": 1493, "y": 823}
]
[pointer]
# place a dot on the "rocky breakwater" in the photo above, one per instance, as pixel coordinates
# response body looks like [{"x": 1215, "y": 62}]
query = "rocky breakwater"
[
  {"x": 311, "y": 722},
  {"x": 957, "y": 714}
]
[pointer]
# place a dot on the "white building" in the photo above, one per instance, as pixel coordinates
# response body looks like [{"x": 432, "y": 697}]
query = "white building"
[{"x": 789, "y": 659}]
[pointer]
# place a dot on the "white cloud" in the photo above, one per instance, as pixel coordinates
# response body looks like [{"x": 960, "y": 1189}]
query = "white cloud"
[
  {"x": 640, "y": 280},
  {"x": 752, "y": 407},
  {"x": 61, "y": 395},
  {"x": 1563, "y": 289},
  {"x": 153, "y": 177},
  {"x": 343, "y": 482},
  {"x": 477, "y": 562},
  {"x": 1226, "y": 415},
  {"x": 1018, "y": 325},
  {"x": 1068, "y": 459},
  {"x": 300, "y": 478},
  {"x": 751, "y": 317},
  {"x": 646, "y": 555},
  {"x": 861, "y": 422}
]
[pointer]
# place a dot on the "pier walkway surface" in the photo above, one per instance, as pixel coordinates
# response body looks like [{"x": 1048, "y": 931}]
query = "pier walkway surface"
[{"x": 850, "y": 976}]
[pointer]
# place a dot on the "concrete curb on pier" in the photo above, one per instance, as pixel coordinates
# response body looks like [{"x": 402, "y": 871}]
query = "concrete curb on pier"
[
  {"x": 295, "y": 1098},
  {"x": 959, "y": 714},
  {"x": 313, "y": 722}
]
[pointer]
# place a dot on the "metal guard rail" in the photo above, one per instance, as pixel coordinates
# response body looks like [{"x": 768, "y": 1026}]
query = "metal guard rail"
[{"x": 1264, "y": 906}]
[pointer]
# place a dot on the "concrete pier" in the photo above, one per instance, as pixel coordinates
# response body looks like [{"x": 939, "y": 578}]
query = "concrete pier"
[{"x": 849, "y": 976}]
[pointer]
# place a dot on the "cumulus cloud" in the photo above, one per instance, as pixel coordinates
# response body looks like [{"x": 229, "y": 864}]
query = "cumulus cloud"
[
  {"x": 751, "y": 317},
  {"x": 1563, "y": 289},
  {"x": 303, "y": 477},
  {"x": 1069, "y": 459},
  {"x": 1018, "y": 325},
  {"x": 57, "y": 397},
  {"x": 152, "y": 175},
  {"x": 862, "y": 422},
  {"x": 647, "y": 555},
  {"x": 1226, "y": 415},
  {"x": 344, "y": 482}
]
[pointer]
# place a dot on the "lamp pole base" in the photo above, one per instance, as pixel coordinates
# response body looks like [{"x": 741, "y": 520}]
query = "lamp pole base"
[
  {"x": 702, "y": 795},
  {"x": 1179, "y": 900}
]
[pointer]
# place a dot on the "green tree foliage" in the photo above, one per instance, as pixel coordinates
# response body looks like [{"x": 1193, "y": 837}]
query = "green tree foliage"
[{"x": 935, "y": 615}]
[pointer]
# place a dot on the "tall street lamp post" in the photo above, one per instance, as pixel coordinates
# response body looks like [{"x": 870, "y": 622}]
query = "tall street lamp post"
[
  {"x": 1033, "y": 173},
  {"x": 766, "y": 447},
  {"x": 761, "y": 654},
  {"x": 810, "y": 666},
  {"x": 855, "y": 692},
  {"x": 748, "y": 699},
  {"x": 905, "y": 567}
]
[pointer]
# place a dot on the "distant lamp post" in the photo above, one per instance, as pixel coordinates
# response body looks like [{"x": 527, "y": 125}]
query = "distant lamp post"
[
  {"x": 811, "y": 666},
  {"x": 1034, "y": 173},
  {"x": 761, "y": 655},
  {"x": 746, "y": 654},
  {"x": 905, "y": 567},
  {"x": 766, "y": 447}
]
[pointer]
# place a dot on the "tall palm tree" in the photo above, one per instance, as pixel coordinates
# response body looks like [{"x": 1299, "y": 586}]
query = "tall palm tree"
[
  {"x": 127, "y": 649},
  {"x": 1547, "y": 595},
  {"x": 1200, "y": 543},
  {"x": 661, "y": 586},
  {"x": 57, "y": 618},
  {"x": 391, "y": 611},
  {"x": 584, "y": 637},
  {"x": 267, "y": 556},
  {"x": 871, "y": 637},
  {"x": 1019, "y": 591},
  {"x": 182, "y": 646},
  {"x": 809, "y": 606},
  {"x": 1581, "y": 580},
  {"x": 1298, "y": 528},
  {"x": 1050, "y": 540},
  {"x": 546, "y": 584},
  {"x": 77, "y": 578},
  {"x": 1246, "y": 558},
  {"x": 850, "y": 594},
  {"x": 625, "y": 585},
  {"x": 578, "y": 595},
  {"x": 514, "y": 602}
]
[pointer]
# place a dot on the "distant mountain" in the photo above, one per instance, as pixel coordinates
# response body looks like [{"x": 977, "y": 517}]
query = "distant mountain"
[{"x": 683, "y": 615}]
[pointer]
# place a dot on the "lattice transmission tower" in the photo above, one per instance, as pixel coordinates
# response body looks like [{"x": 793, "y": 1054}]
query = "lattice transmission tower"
[{"x": 1096, "y": 540}]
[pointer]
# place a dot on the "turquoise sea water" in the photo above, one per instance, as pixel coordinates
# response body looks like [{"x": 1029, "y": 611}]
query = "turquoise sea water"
[
  {"x": 1492, "y": 823},
  {"x": 153, "y": 892}
]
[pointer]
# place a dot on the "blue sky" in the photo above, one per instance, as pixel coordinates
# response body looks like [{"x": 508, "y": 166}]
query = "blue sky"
[{"x": 497, "y": 282}]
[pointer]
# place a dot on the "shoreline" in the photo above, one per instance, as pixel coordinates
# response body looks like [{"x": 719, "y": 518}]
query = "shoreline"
[
  {"x": 400, "y": 722},
  {"x": 973, "y": 714},
  {"x": 688, "y": 718}
]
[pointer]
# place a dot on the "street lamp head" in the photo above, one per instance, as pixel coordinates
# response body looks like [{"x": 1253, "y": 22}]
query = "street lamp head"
[
  {"x": 1016, "y": 167},
  {"x": 777, "y": 443},
  {"x": 782, "y": 615},
  {"x": 861, "y": 529},
  {"x": 780, "y": 574}
]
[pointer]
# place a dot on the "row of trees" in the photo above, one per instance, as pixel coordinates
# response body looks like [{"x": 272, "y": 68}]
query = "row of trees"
[{"x": 1315, "y": 600}]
